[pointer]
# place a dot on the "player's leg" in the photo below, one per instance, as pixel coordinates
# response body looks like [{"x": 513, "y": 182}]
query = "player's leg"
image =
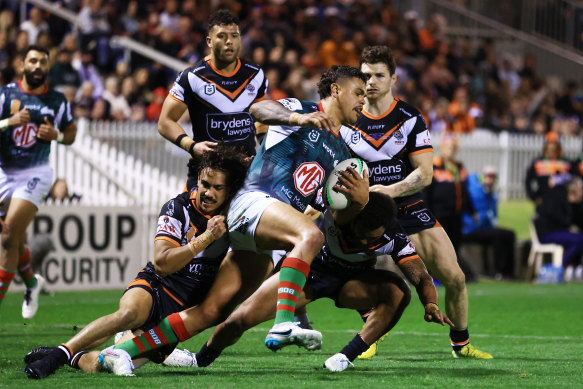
[
  {"x": 20, "y": 213},
  {"x": 438, "y": 254},
  {"x": 283, "y": 227},
  {"x": 240, "y": 274},
  {"x": 387, "y": 295}
]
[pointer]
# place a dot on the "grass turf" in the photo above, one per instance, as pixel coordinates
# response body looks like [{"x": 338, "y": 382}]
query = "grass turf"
[{"x": 533, "y": 331}]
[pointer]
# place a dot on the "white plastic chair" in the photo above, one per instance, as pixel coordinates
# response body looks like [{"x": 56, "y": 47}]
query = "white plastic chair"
[{"x": 535, "y": 257}]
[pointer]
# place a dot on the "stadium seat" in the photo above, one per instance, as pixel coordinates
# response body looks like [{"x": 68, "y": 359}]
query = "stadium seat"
[{"x": 535, "y": 258}]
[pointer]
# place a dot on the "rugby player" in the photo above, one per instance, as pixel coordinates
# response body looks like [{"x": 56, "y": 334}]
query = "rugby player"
[
  {"x": 189, "y": 246},
  {"x": 30, "y": 114},
  {"x": 344, "y": 272},
  {"x": 217, "y": 91},
  {"x": 294, "y": 159},
  {"x": 393, "y": 138}
]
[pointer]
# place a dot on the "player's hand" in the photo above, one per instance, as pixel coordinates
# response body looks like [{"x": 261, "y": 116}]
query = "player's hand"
[
  {"x": 202, "y": 147},
  {"x": 20, "y": 118},
  {"x": 433, "y": 314},
  {"x": 316, "y": 119},
  {"x": 216, "y": 226},
  {"x": 46, "y": 131},
  {"x": 354, "y": 186}
]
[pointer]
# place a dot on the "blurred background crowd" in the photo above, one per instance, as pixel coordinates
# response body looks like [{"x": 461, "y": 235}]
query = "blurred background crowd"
[{"x": 458, "y": 85}]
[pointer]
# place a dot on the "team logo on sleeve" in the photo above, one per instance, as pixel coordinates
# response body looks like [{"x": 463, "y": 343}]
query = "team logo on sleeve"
[
  {"x": 209, "y": 89},
  {"x": 355, "y": 137},
  {"x": 308, "y": 177},
  {"x": 169, "y": 226},
  {"x": 407, "y": 250}
]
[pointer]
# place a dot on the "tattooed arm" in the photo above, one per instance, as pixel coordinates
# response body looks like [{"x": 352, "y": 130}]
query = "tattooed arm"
[
  {"x": 272, "y": 112},
  {"x": 419, "y": 178}
]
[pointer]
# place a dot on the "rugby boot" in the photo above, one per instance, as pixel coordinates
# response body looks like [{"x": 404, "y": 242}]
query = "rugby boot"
[
  {"x": 372, "y": 350},
  {"x": 30, "y": 303},
  {"x": 43, "y": 368},
  {"x": 337, "y": 362},
  {"x": 287, "y": 333},
  {"x": 37, "y": 354},
  {"x": 469, "y": 351},
  {"x": 116, "y": 361},
  {"x": 180, "y": 358}
]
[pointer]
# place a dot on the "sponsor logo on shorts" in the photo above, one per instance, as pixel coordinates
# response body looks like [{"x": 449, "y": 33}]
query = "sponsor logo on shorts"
[
  {"x": 308, "y": 177},
  {"x": 243, "y": 222},
  {"x": 31, "y": 185}
]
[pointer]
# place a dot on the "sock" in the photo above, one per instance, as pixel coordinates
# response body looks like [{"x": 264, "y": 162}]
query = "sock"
[
  {"x": 6, "y": 277},
  {"x": 303, "y": 319},
  {"x": 206, "y": 356},
  {"x": 74, "y": 362},
  {"x": 170, "y": 330},
  {"x": 364, "y": 314},
  {"x": 61, "y": 354},
  {"x": 292, "y": 277},
  {"x": 354, "y": 348},
  {"x": 25, "y": 270},
  {"x": 459, "y": 339}
]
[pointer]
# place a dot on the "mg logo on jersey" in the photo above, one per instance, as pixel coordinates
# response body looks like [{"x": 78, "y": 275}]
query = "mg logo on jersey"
[
  {"x": 209, "y": 89},
  {"x": 308, "y": 177},
  {"x": 25, "y": 136}
]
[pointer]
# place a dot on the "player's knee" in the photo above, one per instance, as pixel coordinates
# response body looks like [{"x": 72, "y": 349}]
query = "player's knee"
[
  {"x": 8, "y": 239},
  {"x": 455, "y": 280},
  {"x": 126, "y": 318},
  {"x": 313, "y": 238},
  {"x": 212, "y": 314}
]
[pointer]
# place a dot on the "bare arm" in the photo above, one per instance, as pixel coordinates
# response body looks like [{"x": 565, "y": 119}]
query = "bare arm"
[
  {"x": 419, "y": 178},
  {"x": 357, "y": 189},
  {"x": 169, "y": 128},
  {"x": 272, "y": 112},
  {"x": 69, "y": 134},
  {"x": 169, "y": 258}
]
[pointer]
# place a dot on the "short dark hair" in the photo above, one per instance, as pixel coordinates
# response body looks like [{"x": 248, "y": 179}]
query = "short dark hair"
[
  {"x": 379, "y": 54},
  {"x": 381, "y": 211},
  {"x": 34, "y": 48},
  {"x": 334, "y": 75},
  {"x": 222, "y": 16},
  {"x": 231, "y": 160}
]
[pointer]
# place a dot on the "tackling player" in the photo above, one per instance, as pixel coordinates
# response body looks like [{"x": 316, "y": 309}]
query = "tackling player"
[
  {"x": 32, "y": 115},
  {"x": 189, "y": 247},
  {"x": 292, "y": 163},
  {"x": 392, "y": 137},
  {"x": 217, "y": 91}
]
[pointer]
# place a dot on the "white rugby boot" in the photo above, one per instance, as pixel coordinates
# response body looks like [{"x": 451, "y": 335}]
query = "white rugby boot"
[
  {"x": 287, "y": 333},
  {"x": 116, "y": 361},
  {"x": 30, "y": 303},
  {"x": 337, "y": 362},
  {"x": 180, "y": 358}
]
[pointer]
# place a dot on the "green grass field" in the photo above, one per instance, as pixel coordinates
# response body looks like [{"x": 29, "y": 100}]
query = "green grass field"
[{"x": 535, "y": 333}]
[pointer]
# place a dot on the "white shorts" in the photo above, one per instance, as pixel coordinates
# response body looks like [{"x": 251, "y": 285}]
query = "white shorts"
[
  {"x": 28, "y": 184},
  {"x": 243, "y": 217}
]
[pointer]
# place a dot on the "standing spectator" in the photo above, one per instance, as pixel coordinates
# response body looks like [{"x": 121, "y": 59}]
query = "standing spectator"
[
  {"x": 30, "y": 111},
  {"x": 483, "y": 230},
  {"x": 34, "y": 26},
  {"x": 93, "y": 26},
  {"x": 88, "y": 72},
  {"x": 63, "y": 73},
  {"x": 170, "y": 17}
]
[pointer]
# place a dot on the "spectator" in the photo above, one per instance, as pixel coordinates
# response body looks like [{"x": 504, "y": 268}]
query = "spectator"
[
  {"x": 94, "y": 27},
  {"x": 155, "y": 107},
  {"x": 129, "y": 19},
  {"x": 84, "y": 100},
  {"x": 100, "y": 110},
  {"x": 119, "y": 107},
  {"x": 34, "y": 26},
  {"x": 483, "y": 230},
  {"x": 88, "y": 72},
  {"x": 63, "y": 73}
]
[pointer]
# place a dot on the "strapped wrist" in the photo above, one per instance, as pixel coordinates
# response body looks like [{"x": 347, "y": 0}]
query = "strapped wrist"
[
  {"x": 430, "y": 305},
  {"x": 60, "y": 137},
  {"x": 4, "y": 124}
]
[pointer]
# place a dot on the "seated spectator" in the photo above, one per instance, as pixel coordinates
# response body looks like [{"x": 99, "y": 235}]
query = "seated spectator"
[
  {"x": 84, "y": 100},
  {"x": 100, "y": 110},
  {"x": 88, "y": 72},
  {"x": 483, "y": 230},
  {"x": 63, "y": 73},
  {"x": 575, "y": 195},
  {"x": 119, "y": 107},
  {"x": 34, "y": 25},
  {"x": 155, "y": 107},
  {"x": 554, "y": 223}
]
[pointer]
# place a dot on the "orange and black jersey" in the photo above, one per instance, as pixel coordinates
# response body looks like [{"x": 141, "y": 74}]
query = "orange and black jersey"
[
  {"x": 387, "y": 141},
  {"x": 541, "y": 170},
  {"x": 179, "y": 221},
  {"x": 218, "y": 103}
]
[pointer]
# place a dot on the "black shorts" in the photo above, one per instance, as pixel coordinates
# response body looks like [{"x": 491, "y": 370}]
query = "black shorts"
[
  {"x": 326, "y": 279},
  {"x": 415, "y": 217}
]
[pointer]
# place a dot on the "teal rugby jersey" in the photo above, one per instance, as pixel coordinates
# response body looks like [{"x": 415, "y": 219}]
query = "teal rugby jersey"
[
  {"x": 293, "y": 162},
  {"x": 19, "y": 146}
]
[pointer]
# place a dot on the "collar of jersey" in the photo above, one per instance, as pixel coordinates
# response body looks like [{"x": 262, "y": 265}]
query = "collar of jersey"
[
  {"x": 30, "y": 93},
  {"x": 208, "y": 60}
]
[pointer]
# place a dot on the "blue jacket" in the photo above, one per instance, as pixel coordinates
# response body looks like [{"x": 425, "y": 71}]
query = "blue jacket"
[{"x": 485, "y": 206}]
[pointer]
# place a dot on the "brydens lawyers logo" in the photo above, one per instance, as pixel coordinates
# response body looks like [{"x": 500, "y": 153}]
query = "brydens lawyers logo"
[{"x": 308, "y": 177}]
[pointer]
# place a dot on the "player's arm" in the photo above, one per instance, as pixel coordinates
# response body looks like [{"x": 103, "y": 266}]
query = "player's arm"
[
  {"x": 20, "y": 118},
  {"x": 271, "y": 112},
  {"x": 357, "y": 189},
  {"x": 419, "y": 178},
  {"x": 48, "y": 132},
  {"x": 169, "y": 128},
  {"x": 416, "y": 273},
  {"x": 169, "y": 258}
]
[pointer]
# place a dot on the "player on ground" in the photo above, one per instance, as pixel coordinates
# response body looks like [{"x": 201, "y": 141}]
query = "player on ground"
[
  {"x": 344, "y": 271},
  {"x": 292, "y": 163},
  {"x": 189, "y": 246},
  {"x": 32, "y": 115},
  {"x": 392, "y": 137},
  {"x": 217, "y": 91}
]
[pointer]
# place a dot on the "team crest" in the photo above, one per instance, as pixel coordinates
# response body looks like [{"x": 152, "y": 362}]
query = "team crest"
[
  {"x": 355, "y": 137},
  {"x": 424, "y": 217},
  {"x": 209, "y": 89},
  {"x": 399, "y": 137},
  {"x": 308, "y": 177},
  {"x": 32, "y": 183},
  {"x": 314, "y": 135},
  {"x": 250, "y": 89}
]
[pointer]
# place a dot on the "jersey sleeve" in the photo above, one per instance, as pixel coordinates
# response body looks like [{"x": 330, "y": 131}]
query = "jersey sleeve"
[
  {"x": 64, "y": 114},
  {"x": 403, "y": 249},
  {"x": 262, "y": 89},
  {"x": 171, "y": 222},
  {"x": 419, "y": 138},
  {"x": 179, "y": 90},
  {"x": 292, "y": 104}
]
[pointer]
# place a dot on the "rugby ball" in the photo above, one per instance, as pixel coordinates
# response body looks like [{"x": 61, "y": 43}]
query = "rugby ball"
[{"x": 336, "y": 200}]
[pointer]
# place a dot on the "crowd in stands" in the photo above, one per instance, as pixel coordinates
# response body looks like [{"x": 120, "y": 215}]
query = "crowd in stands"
[{"x": 459, "y": 84}]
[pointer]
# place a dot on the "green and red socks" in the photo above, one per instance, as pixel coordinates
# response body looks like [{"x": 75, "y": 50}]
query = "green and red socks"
[
  {"x": 25, "y": 270},
  {"x": 292, "y": 278},
  {"x": 6, "y": 277},
  {"x": 171, "y": 330}
]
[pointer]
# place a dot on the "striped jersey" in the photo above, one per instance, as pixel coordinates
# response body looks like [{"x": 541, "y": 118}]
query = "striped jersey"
[
  {"x": 19, "y": 146},
  {"x": 341, "y": 250},
  {"x": 385, "y": 142},
  {"x": 218, "y": 103},
  {"x": 293, "y": 162},
  {"x": 179, "y": 222}
]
